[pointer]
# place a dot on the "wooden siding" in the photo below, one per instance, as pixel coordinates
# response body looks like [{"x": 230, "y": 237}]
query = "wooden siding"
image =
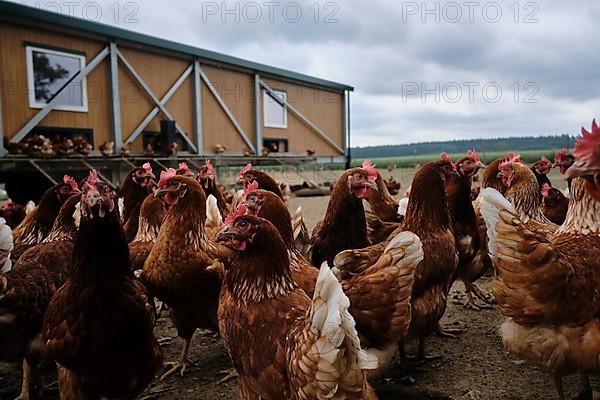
[
  {"x": 322, "y": 108},
  {"x": 13, "y": 74},
  {"x": 236, "y": 91},
  {"x": 159, "y": 73}
]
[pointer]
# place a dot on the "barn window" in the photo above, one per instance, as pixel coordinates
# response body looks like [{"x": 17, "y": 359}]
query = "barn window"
[
  {"x": 275, "y": 114},
  {"x": 48, "y": 71}
]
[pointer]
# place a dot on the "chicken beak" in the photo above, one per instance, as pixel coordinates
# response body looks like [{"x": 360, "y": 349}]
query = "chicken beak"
[
  {"x": 372, "y": 185},
  {"x": 480, "y": 165},
  {"x": 581, "y": 168},
  {"x": 161, "y": 191},
  {"x": 225, "y": 235}
]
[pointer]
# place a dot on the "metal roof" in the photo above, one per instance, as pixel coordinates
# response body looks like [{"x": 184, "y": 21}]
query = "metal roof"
[{"x": 114, "y": 33}]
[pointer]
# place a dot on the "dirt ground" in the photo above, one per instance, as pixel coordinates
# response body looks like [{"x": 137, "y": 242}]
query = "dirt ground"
[{"x": 473, "y": 366}]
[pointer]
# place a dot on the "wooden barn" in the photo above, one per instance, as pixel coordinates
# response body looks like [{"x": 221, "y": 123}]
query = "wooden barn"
[{"x": 76, "y": 94}]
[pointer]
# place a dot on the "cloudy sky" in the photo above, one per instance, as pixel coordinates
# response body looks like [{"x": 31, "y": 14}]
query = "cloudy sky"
[{"x": 421, "y": 70}]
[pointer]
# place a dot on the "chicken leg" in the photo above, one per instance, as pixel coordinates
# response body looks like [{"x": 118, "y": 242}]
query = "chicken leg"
[
  {"x": 24, "y": 395},
  {"x": 472, "y": 289},
  {"x": 181, "y": 364},
  {"x": 422, "y": 354},
  {"x": 558, "y": 385},
  {"x": 586, "y": 392}
]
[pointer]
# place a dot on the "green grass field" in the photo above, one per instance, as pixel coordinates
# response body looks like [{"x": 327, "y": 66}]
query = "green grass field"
[{"x": 528, "y": 156}]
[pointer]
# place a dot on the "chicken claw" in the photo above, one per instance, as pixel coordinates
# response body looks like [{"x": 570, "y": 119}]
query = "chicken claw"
[
  {"x": 180, "y": 365},
  {"x": 175, "y": 366},
  {"x": 451, "y": 333},
  {"x": 230, "y": 373}
]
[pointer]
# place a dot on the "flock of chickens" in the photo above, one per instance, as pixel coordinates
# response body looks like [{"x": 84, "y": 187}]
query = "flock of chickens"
[{"x": 302, "y": 316}]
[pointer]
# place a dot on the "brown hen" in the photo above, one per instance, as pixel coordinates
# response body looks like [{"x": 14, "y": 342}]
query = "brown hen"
[
  {"x": 282, "y": 344},
  {"x": 99, "y": 325}
]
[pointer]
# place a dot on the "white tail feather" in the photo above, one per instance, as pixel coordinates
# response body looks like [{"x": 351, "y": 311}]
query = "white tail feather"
[
  {"x": 6, "y": 246},
  {"x": 77, "y": 215},
  {"x": 29, "y": 207},
  {"x": 297, "y": 220},
  {"x": 413, "y": 249},
  {"x": 331, "y": 319},
  {"x": 402, "y": 206},
  {"x": 121, "y": 205},
  {"x": 490, "y": 205},
  {"x": 213, "y": 215}
]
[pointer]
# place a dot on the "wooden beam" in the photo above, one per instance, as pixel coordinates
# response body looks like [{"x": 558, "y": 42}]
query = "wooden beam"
[
  {"x": 41, "y": 170},
  {"x": 161, "y": 107},
  {"x": 100, "y": 174},
  {"x": 77, "y": 78},
  {"x": 234, "y": 121},
  {"x": 301, "y": 116},
  {"x": 115, "y": 103},
  {"x": 198, "y": 108},
  {"x": 139, "y": 129},
  {"x": 2, "y": 149},
  {"x": 257, "y": 110}
]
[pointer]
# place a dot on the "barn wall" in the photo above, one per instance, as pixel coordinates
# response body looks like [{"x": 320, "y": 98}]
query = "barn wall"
[
  {"x": 159, "y": 73},
  {"x": 322, "y": 108},
  {"x": 13, "y": 75},
  {"x": 236, "y": 91}
]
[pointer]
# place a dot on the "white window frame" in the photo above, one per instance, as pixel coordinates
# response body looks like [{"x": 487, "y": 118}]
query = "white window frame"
[
  {"x": 267, "y": 97},
  {"x": 33, "y": 103}
]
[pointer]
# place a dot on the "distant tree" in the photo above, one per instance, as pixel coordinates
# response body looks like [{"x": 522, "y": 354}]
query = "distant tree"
[
  {"x": 461, "y": 146},
  {"x": 46, "y": 76}
]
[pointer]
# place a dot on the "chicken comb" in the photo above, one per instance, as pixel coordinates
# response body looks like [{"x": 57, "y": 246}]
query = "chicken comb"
[
  {"x": 587, "y": 144},
  {"x": 249, "y": 188},
  {"x": 560, "y": 154},
  {"x": 545, "y": 160},
  {"x": 511, "y": 158},
  {"x": 446, "y": 157},
  {"x": 247, "y": 168},
  {"x": 473, "y": 155},
  {"x": 368, "y": 166},
  {"x": 7, "y": 202},
  {"x": 209, "y": 167},
  {"x": 545, "y": 189},
  {"x": 184, "y": 167},
  {"x": 92, "y": 178},
  {"x": 165, "y": 176},
  {"x": 147, "y": 167},
  {"x": 239, "y": 212},
  {"x": 70, "y": 181}
]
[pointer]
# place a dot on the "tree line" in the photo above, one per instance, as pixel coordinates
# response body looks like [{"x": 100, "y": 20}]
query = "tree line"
[{"x": 460, "y": 146}]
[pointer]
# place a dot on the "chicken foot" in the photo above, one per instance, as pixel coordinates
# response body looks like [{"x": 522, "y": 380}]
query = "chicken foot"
[
  {"x": 472, "y": 289},
  {"x": 422, "y": 355},
  {"x": 407, "y": 364},
  {"x": 181, "y": 364},
  {"x": 230, "y": 374},
  {"x": 451, "y": 333}
]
